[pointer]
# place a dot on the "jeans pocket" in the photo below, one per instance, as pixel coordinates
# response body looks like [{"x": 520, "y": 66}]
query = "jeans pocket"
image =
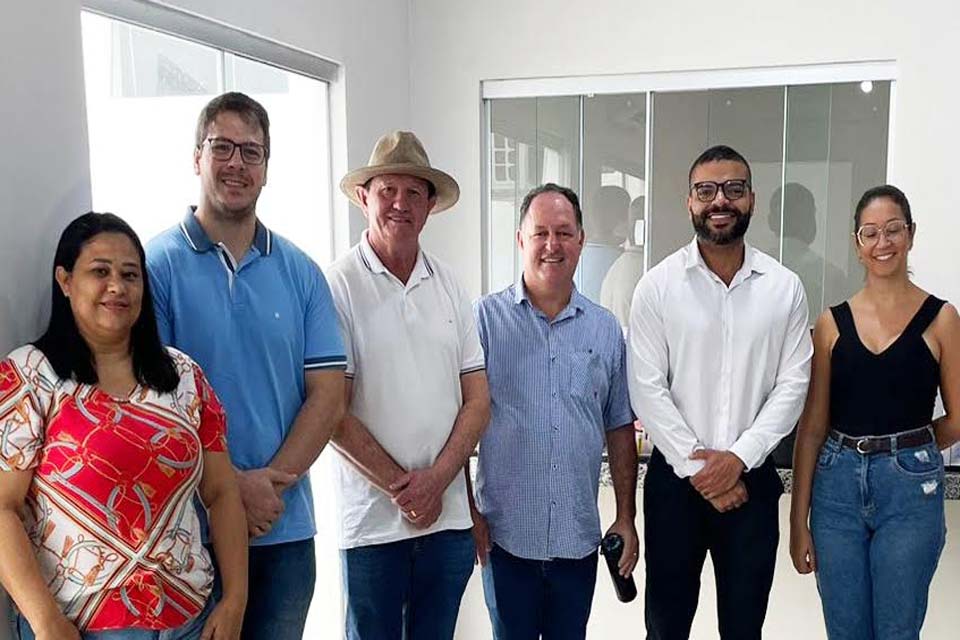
[
  {"x": 828, "y": 455},
  {"x": 919, "y": 461}
]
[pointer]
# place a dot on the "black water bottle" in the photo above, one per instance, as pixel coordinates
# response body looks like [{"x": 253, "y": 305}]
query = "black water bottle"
[{"x": 612, "y": 548}]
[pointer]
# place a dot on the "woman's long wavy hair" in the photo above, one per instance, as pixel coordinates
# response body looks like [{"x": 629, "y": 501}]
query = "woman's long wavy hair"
[{"x": 62, "y": 343}]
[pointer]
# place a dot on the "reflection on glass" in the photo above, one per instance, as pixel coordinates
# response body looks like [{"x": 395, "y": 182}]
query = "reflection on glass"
[
  {"x": 686, "y": 123},
  {"x": 532, "y": 141},
  {"x": 150, "y": 64},
  {"x": 808, "y": 172},
  {"x": 255, "y": 77},
  {"x": 836, "y": 150},
  {"x": 558, "y": 141},
  {"x": 614, "y": 173}
]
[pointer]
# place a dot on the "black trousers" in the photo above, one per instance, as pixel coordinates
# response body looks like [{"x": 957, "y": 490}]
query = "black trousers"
[{"x": 680, "y": 527}]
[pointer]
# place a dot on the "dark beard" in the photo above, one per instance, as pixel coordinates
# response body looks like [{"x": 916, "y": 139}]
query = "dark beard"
[{"x": 728, "y": 236}]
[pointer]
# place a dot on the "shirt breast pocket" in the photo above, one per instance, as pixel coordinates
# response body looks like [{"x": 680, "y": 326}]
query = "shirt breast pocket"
[{"x": 586, "y": 377}]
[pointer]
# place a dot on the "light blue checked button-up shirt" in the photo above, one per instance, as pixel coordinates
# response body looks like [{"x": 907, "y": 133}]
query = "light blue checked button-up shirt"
[{"x": 556, "y": 388}]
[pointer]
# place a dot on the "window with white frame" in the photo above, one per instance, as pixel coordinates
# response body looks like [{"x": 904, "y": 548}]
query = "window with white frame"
[{"x": 144, "y": 91}]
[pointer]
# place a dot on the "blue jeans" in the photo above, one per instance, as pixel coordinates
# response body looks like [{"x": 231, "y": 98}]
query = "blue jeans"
[
  {"x": 878, "y": 529},
  {"x": 527, "y": 598},
  {"x": 279, "y": 590},
  {"x": 409, "y": 589},
  {"x": 189, "y": 631}
]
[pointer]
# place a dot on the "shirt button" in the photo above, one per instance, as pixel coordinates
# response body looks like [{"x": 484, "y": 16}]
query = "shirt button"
[
  {"x": 554, "y": 394},
  {"x": 556, "y": 466}
]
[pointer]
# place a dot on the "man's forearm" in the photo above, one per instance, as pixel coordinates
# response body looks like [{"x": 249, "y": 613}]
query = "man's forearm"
[
  {"x": 622, "y": 455},
  {"x": 471, "y": 420},
  {"x": 353, "y": 440},
  {"x": 314, "y": 424},
  {"x": 467, "y": 428}
]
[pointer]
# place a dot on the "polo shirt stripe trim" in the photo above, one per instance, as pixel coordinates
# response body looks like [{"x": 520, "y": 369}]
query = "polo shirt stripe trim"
[
  {"x": 325, "y": 362},
  {"x": 366, "y": 263},
  {"x": 472, "y": 369},
  {"x": 227, "y": 263},
  {"x": 186, "y": 234}
]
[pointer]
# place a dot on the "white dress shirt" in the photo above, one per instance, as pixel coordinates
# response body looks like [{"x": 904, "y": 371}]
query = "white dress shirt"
[{"x": 718, "y": 367}]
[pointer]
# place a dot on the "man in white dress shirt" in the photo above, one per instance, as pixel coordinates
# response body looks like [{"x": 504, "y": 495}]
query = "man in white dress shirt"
[{"x": 718, "y": 364}]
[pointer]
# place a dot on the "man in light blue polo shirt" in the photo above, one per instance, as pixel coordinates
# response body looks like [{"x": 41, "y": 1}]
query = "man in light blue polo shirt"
[
  {"x": 558, "y": 387},
  {"x": 256, "y": 313}
]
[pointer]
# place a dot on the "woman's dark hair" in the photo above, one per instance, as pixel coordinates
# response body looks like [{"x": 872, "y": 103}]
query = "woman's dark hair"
[
  {"x": 883, "y": 191},
  {"x": 62, "y": 343}
]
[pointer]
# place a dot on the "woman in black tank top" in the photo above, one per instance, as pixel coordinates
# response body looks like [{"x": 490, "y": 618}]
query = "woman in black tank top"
[{"x": 867, "y": 505}]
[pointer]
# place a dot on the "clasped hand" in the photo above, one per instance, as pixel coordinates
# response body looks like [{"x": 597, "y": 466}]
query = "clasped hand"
[
  {"x": 261, "y": 491},
  {"x": 419, "y": 495},
  {"x": 720, "y": 481}
]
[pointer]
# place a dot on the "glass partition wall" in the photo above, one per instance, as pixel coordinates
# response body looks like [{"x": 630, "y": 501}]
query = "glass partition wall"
[{"x": 813, "y": 149}]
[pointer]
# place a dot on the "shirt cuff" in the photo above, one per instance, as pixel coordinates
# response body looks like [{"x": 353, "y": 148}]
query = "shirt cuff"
[
  {"x": 685, "y": 467},
  {"x": 749, "y": 450}
]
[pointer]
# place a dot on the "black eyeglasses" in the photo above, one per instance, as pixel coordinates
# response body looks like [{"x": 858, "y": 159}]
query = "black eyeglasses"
[
  {"x": 250, "y": 152},
  {"x": 732, "y": 189}
]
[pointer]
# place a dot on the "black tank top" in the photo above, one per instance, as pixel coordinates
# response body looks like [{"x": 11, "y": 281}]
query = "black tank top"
[{"x": 879, "y": 394}]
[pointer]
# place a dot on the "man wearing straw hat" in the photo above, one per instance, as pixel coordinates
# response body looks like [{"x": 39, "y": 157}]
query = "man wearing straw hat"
[{"x": 417, "y": 404}]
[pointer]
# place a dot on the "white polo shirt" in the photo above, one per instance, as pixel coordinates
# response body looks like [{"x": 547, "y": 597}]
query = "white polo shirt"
[{"x": 407, "y": 346}]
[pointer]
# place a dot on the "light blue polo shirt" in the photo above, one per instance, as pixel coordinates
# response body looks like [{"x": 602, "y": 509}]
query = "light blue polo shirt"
[{"x": 254, "y": 326}]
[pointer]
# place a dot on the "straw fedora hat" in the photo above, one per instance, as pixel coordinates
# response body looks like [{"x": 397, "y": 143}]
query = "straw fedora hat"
[{"x": 401, "y": 152}]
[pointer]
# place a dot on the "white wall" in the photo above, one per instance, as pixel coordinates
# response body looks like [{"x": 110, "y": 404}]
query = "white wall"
[
  {"x": 44, "y": 173},
  {"x": 457, "y": 43}
]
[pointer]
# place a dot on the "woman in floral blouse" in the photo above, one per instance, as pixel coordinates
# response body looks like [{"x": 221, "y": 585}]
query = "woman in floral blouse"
[{"x": 105, "y": 438}]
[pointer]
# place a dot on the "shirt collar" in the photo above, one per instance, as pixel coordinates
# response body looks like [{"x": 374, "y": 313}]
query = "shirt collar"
[
  {"x": 421, "y": 270},
  {"x": 200, "y": 242},
  {"x": 577, "y": 299},
  {"x": 750, "y": 262}
]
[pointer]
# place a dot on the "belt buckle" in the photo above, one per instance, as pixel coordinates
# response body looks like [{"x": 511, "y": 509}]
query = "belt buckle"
[{"x": 863, "y": 442}]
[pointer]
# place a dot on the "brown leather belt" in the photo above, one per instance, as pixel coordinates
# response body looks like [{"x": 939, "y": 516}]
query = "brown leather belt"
[{"x": 880, "y": 444}]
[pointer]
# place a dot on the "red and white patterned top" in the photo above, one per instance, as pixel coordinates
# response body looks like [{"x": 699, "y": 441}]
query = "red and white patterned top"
[{"x": 110, "y": 508}]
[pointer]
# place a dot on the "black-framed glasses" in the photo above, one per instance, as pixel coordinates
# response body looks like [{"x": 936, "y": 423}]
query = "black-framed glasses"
[
  {"x": 869, "y": 234},
  {"x": 707, "y": 190},
  {"x": 223, "y": 149}
]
